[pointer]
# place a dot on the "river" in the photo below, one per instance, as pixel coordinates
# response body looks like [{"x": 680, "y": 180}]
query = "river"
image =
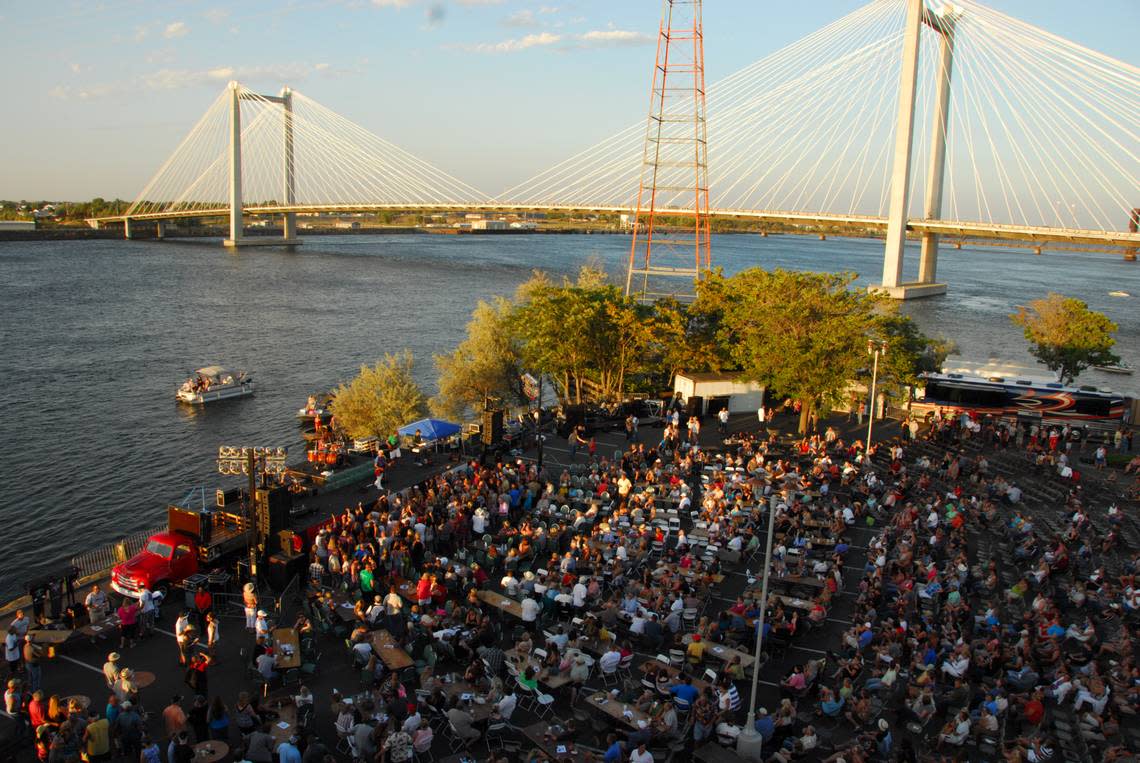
[{"x": 97, "y": 335}]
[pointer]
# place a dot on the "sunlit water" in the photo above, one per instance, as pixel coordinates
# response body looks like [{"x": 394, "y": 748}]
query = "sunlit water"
[{"x": 97, "y": 335}]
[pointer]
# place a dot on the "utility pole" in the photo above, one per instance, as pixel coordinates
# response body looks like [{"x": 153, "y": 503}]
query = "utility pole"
[
  {"x": 749, "y": 742},
  {"x": 875, "y": 347}
]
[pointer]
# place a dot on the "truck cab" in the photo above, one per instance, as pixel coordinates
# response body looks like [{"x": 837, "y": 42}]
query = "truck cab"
[{"x": 165, "y": 558}]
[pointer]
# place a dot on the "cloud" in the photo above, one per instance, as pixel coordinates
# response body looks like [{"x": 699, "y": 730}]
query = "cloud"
[
  {"x": 180, "y": 79},
  {"x": 175, "y": 29},
  {"x": 216, "y": 15},
  {"x": 521, "y": 18},
  {"x": 599, "y": 38},
  {"x": 548, "y": 9},
  {"x": 480, "y": 2},
  {"x": 392, "y": 3},
  {"x": 542, "y": 39},
  {"x": 596, "y": 38}
]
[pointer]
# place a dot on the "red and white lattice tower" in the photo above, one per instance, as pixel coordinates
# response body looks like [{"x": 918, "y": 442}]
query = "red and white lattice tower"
[{"x": 670, "y": 249}]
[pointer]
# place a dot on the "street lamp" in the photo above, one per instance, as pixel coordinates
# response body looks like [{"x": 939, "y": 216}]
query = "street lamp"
[
  {"x": 750, "y": 742},
  {"x": 875, "y": 347}
]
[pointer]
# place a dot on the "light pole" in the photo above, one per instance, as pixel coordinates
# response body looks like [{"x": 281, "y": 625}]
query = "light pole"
[
  {"x": 875, "y": 347},
  {"x": 749, "y": 742}
]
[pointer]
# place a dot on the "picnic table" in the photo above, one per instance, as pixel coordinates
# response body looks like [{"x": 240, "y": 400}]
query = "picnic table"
[
  {"x": 674, "y": 672},
  {"x": 804, "y": 605},
  {"x": 501, "y": 602},
  {"x": 724, "y": 653},
  {"x": 48, "y": 636},
  {"x": 388, "y": 649},
  {"x": 479, "y": 711},
  {"x": 555, "y": 681},
  {"x": 286, "y": 724},
  {"x": 210, "y": 751},
  {"x": 108, "y": 626},
  {"x": 623, "y": 714},
  {"x": 536, "y": 733},
  {"x": 792, "y": 581},
  {"x": 287, "y": 654}
]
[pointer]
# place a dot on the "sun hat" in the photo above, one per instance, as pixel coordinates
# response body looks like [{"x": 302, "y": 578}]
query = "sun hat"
[
  {"x": 113, "y": 657},
  {"x": 883, "y": 725},
  {"x": 262, "y": 613}
]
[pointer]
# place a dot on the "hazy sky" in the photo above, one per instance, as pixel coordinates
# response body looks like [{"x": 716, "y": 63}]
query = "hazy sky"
[{"x": 99, "y": 93}]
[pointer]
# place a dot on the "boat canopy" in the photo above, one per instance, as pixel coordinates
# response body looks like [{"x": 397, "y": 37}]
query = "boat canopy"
[
  {"x": 214, "y": 372},
  {"x": 430, "y": 429}
]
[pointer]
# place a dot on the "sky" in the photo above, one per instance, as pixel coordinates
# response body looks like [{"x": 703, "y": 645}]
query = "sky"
[{"x": 98, "y": 94}]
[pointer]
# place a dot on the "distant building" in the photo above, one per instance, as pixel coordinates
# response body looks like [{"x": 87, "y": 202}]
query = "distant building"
[
  {"x": 626, "y": 221},
  {"x": 347, "y": 224},
  {"x": 488, "y": 225},
  {"x": 524, "y": 225},
  {"x": 17, "y": 225},
  {"x": 473, "y": 216}
]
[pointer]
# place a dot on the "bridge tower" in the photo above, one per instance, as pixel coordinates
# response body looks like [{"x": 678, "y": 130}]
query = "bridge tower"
[
  {"x": 670, "y": 248},
  {"x": 289, "y": 237},
  {"x": 942, "y": 23}
]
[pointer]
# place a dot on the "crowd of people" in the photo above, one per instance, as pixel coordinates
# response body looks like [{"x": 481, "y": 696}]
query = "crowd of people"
[{"x": 970, "y": 621}]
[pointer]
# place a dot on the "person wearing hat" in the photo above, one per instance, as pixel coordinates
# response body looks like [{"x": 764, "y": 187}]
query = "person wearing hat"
[
  {"x": 184, "y": 636},
  {"x": 249, "y": 600},
  {"x": 111, "y": 669},
  {"x": 261, "y": 626},
  {"x": 695, "y": 653}
]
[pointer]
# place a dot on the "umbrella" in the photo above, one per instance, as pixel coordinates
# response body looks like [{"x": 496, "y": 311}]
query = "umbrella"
[{"x": 430, "y": 429}]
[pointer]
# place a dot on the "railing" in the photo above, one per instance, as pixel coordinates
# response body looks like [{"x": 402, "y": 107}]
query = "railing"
[{"x": 99, "y": 560}]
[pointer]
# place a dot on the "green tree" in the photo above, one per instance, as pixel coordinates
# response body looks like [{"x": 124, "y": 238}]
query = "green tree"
[
  {"x": 380, "y": 399},
  {"x": 486, "y": 363},
  {"x": 909, "y": 351},
  {"x": 1066, "y": 336},
  {"x": 804, "y": 334}
]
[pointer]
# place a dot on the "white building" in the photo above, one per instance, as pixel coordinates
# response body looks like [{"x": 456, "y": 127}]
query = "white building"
[{"x": 717, "y": 390}]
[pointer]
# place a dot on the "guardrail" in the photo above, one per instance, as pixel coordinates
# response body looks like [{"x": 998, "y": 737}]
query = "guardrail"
[{"x": 99, "y": 560}]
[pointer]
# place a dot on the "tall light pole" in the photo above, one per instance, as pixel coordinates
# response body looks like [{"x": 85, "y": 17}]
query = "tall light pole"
[
  {"x": 875, "y": 347},
  {"x": 750, "y": 741}
]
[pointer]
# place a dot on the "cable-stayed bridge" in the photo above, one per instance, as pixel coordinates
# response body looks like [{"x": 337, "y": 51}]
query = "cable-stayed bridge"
[{"x": 905, "y": 116}]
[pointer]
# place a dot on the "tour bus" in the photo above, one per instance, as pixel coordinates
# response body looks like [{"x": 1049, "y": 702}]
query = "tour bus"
[{"x": 1024, "y": 399}]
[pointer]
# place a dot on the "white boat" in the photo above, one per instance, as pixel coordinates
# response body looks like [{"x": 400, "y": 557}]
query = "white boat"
[
  {"x": 1119, "y": 294},
  {"x": 1116, "y": 368},
  {"x": 214, "y": 383}
]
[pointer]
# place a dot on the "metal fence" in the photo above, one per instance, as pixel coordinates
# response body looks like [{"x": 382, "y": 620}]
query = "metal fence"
[{"x": 98, "y": 561}]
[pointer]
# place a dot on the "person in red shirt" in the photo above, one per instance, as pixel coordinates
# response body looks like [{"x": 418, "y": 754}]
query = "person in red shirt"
[
  {"x": 203, "y": 602},
  {"x": 128, "y": 622},
  {"x": 1034, "y": 709},
  {"x": 423, "y": 590}
]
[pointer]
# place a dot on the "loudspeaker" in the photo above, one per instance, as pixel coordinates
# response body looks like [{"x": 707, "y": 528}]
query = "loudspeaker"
[
  {"x": 282, "y": 568},
  {"x": 492, "y": 431},
  {"x": 272, "y": 508}
]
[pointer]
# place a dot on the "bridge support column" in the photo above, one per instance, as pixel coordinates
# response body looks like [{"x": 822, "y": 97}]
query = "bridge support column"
[
  {"x": 928, "y": 256},
  {"x": 160, "y": 230},
  {"x": 128, "y": 233},
  {"x": 898, "y": 210},
  {"x": 289, "y": 189},
  {"x": 236, "y": 225}
]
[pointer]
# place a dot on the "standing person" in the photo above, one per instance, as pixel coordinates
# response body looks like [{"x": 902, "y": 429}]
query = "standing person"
[
  {"x": 219, "y": 720},
  {"x": 12, "y": 651},
  {"x": 761, "y": 414},
  {"x": 128, "y": 622},
  {"x": 203, "y": 603},
  {"x": 196, "y": 676},
  {"x": 174, "y": 717},
  {"x": 213, "y": 635},
  {"x": 111, "y": 669},
  {"x": 183, "y": 634},
  {"x": 722, "y": 421},
  {"x": 97, "y": 604},
  {"x": 146, "y": 612},
  {"x": 261, "y": 626},
  {"x": 862, "y": 411},
  {"x": 249, "y": 599},
  {"x": 97, "y": 737},
  {"x": 33, "y": 658},
  {"x": 199, "y": 718},
  {"x": 129, "y": 730}
]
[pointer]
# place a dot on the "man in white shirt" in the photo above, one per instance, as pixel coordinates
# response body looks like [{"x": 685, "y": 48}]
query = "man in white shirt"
[
  {"x": 637, "y": 625},
  {"x": 412, "y": 722},
  {"x": 610, "y": 660},
  {"x": 641, "y": 755},
  {"x": 510, "y": 584},
  {"x": 507, "y": 704},
  {"x": 579, "y": 593},
  {"x": 530, "y": 610},
  {"x": 146, "y": 611}
]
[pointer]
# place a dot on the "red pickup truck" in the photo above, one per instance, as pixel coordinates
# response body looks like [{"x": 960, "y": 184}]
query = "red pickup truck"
[{"x": 194, "y": 541}]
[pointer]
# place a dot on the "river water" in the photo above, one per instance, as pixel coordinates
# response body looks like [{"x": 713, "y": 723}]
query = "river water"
[{"x": 97, "y": 335}]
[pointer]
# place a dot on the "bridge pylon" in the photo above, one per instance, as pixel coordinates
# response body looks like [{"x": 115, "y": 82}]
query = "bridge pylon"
[
  {"x": 671, "y": 224},
  {"x": 942, "y": 23},
  {"x": 237, "y": 223}
]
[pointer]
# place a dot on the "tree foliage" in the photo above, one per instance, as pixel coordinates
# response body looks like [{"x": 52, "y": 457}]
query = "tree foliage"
[
  {"x": 804, "y": 334},
  {"x": 487, "y": 363},
  {"x": 380, "y": 399},
  {"x": 1066, "y": 336}
]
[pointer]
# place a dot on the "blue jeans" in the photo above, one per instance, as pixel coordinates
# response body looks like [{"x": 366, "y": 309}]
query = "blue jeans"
[
  {"x": 35, "y": 676},
  {"x": 702, "y": 732}
]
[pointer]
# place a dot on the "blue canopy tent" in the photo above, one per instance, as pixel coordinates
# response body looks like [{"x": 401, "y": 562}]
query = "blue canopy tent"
[{"x": 430, "y": 429}]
